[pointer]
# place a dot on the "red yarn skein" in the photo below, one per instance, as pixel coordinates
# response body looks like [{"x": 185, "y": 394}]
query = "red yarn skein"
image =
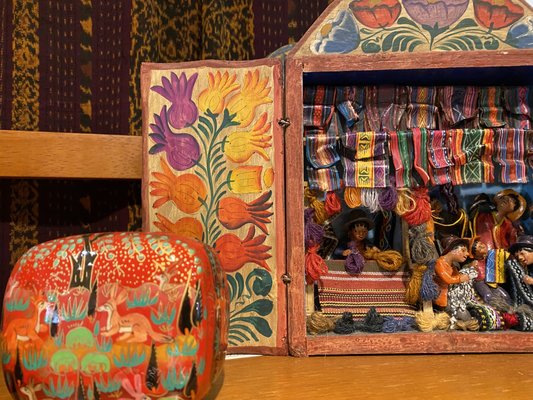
[{"x": 422, "y": 211}]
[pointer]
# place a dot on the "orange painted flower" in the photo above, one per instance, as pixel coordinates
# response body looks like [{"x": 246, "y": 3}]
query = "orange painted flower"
[
  {"x": 240, "y": 146},
  {"x": 219, "y": 87},
  {"x": 234, "y": 252},
  {"x": 497, "y": 14},
  {"x": 376, "y": 13},
  {"x": 254, "y": 93},
  {"x": 233, "y": 212},
  {"x": 247, "y": 179},
  {"x": 186, "y": 191},
  {"x": 186, "y": 226}
]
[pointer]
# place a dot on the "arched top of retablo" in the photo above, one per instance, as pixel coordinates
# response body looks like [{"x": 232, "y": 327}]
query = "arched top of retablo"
[{"x": 366, "y": 27}]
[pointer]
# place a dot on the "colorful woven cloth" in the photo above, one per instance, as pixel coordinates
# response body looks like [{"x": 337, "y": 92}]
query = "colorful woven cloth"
[
  {"x": 494, "y": 266},
  {"x": 319, "y": 106},
  {"x": 321, "y": 148},
  {"x": 364, "y": 158},
  {"x": 516, "y": 103},
  {"x": 350, "y": 103},
  {"x": 339, "y": 292},
  {"x": 420, "y": 155},
  {"x": 324, "y": 179},
  {"x": 439, "y": 156},
  {"x": 422, "y": 110},
  {"x": 509, "y": 155},
  {"x": 458, "y": 105},
  {"x": 401, "y": 147},
  {"x": 491, "y": 111},
  {"x": 471, "y": 152},
  {"x": 385, "y": 108}
]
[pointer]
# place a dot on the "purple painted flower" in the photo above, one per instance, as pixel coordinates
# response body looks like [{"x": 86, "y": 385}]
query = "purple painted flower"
[
  {"x": 182, "y": 149},
  {"x": 440, "y": 13},
  {"x": 182, "y": 112}
]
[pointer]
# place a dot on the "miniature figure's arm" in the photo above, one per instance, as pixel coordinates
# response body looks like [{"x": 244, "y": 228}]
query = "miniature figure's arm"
[
  {"x": 445, "y": 273},
  {"x": 528, "y": 280}
]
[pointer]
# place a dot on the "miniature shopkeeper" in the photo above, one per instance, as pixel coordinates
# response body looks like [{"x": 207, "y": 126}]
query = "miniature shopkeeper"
[
  {"x": 359, "y": 224},
  {"x": 455, "y": 250}
]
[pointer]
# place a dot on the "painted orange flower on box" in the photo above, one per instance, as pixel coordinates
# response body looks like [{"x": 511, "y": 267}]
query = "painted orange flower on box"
[
  {"x": 186, "y": 191},
  {"x": 219, "y": 86},
  {"x": 497, "y": 14},
  {"x": 376, "y": 13},
  {"x": 254, "y": 93},
  {"x": 240, "y": 146}
]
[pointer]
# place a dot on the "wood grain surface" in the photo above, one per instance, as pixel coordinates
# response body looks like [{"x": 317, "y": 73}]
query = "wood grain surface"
[
  {"x": 474, "y": 376},
  {"x": 69, "y": 155}
]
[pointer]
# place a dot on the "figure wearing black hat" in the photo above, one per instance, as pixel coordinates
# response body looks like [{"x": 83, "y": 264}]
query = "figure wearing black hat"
[
  {"x": 358, "y": 226},
  {"x": 521, "y": 281}
]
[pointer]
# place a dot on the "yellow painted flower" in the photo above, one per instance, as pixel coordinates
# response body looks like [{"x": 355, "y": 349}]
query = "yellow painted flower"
[
  {"x": 254, "y": 93},
  {"x": 240, "y": 146},
  {"x": 219, "y": 87},
  {"x": 247, "y": 179}
]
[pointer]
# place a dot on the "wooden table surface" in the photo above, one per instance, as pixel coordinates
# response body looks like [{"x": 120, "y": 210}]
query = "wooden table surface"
[{"x": 469, "y": 377}]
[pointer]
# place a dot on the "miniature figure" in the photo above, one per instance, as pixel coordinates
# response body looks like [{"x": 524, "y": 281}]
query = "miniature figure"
[{"x": 494, "y": 223}]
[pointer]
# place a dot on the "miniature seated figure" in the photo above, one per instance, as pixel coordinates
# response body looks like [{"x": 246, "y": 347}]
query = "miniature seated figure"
[
  {"x": 494, "y": 222},
  {"x": 359, "y": 249},
  {"x": 521, "y": 281},
  {"x": 487, "y": 287},
  {"x": 455, "y": 251}
]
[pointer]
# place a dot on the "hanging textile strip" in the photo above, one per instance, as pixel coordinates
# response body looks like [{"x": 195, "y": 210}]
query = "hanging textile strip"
[
  {"x": 421, "y": 110},
  {"x": 516, "y": 103},
  {"x": 491, "y": 107},
  {"x": 494, "y": 266},
  {"x": 350, "y": 103},
  {"x": 486, "y": 157},
  {"x": 439, "y": 157},
  {"x": 510, "y": 154},
  {"x": 318, "y": 109},
  {"x": 458, "y": 104},
  {"x": 401, "y": 146},
  {"x": 385, "y": 107},
  {"x": 364, "y": 159},
  {"x": 324, "y": 179},
  {"x": 466, "y": 151},
  {"x": 420, "y": 152},
  {"x": 320, "y": 149}
]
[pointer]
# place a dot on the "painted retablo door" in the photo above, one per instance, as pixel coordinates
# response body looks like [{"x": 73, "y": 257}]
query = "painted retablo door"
[{"x": 213, "y": 170}]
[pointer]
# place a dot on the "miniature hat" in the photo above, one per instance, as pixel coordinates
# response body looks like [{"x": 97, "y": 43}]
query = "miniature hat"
[
  {"x": 449, "y": 242},
  {"x": 521, "y": 203},
  {"x": 523, "y": 241},
  {"x": 358, "y": 216}
]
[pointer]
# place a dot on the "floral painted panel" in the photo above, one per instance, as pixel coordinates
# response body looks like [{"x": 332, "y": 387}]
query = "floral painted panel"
[
  {"x": 210, "y": 174},
  {"x": 376, "y": 26}
]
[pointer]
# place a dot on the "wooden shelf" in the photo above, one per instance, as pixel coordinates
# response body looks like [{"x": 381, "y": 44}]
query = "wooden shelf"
[{"x": 69, "y": 155}]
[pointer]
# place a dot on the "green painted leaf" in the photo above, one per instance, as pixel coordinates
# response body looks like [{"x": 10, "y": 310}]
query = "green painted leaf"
[
  {"x": 460, "y": 43},
  {"x": 233, "y": 338},
  {"x": 240, "y": 282},
  {"x": 262, "y": 307},
  {"x": 206, "y": 122},
  {"x": 156, "y": 148},
  {"x": 477, "y": 41},
  {"x": 405, "y": 21},
  {"x": 365, "y": 31},
  {"x": 203, "y": 129},
  {"x": 262, "y": 282},
  {"x": 232, "y": 287},
  {"x": 241, "y": 327},
  {"x": 259, "y": 323},
  {"x": 414, "y": 44},
  {"x": 465, "y": 23},
  {"x": 492, "y": 44},
  {"x": 386, "y": 45},
  {"x": 370, "y": 47}
]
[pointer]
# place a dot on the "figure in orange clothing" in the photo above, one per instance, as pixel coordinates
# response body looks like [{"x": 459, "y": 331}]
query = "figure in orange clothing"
[
  {"x": 455, "y": 250},
  {"x": 493, "y": 223}
]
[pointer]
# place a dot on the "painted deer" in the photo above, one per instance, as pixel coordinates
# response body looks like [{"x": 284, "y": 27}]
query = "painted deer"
[
  {"x": 132, "y": 327},
  {"x": 26, "y": 330},
  {"x": 30, "y": 390}
]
